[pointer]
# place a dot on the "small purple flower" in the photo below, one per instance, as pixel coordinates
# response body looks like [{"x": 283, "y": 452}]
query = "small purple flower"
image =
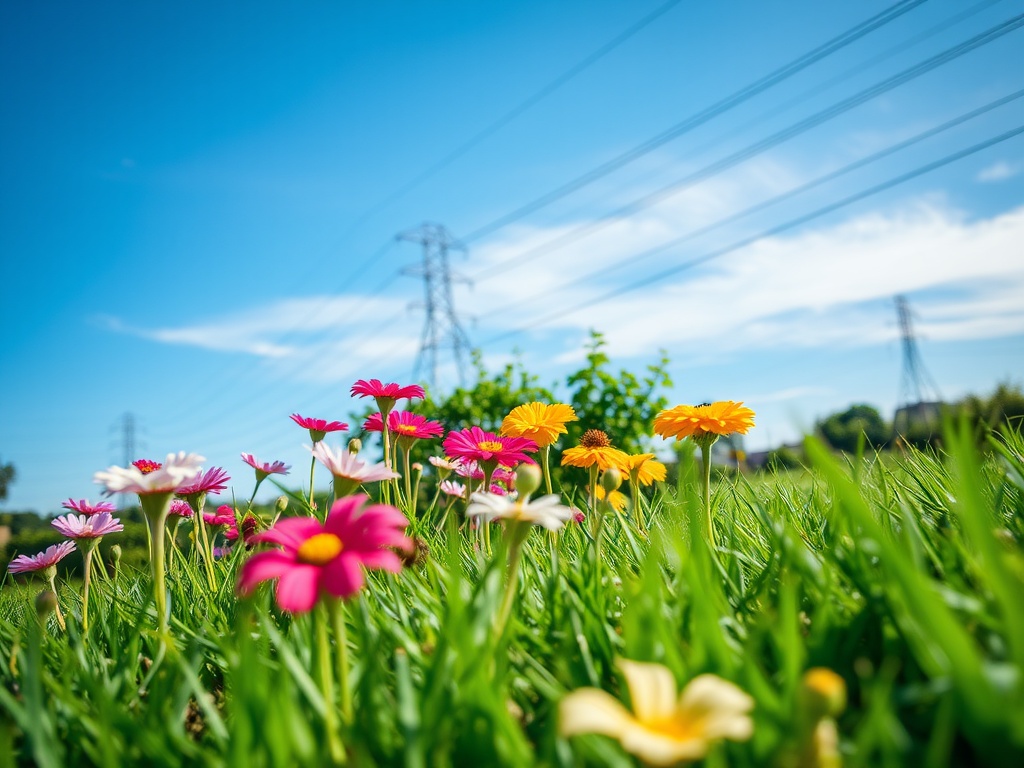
[{"x": 48, "y": 558}]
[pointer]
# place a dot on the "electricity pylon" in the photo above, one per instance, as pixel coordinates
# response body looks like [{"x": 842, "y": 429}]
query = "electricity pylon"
[{"x": 441, "y": 327}]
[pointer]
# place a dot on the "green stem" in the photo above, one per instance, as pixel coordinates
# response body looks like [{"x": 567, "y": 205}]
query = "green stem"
[
  {"x": 336, "y": 610},
  {"x": 512, "y": 582},
  {"x": 259, "y": 481},
  {"x": 386, "y": 485},
  {"x": 205, "y": 550},
  {"x": 327, "y": 688},
  {"x": 545, "y": 454},
  {"x": 312, "y": 467},
  {"x": 56, "y": 600},
  {"x": 705, "y": 453},
  {"x": 159, "y": 576},
  {"x": 87, "y": 558},
  {"x": 407, "y": 471}
]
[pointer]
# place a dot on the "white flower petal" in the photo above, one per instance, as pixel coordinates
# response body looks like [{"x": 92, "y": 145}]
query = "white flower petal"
[
  {"x": 591, "y": 710},
  {"x": 720, "y": 706},
  {"x": 652, "y": 689}
]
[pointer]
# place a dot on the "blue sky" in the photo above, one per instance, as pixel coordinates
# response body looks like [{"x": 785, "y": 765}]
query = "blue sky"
[{"x": 199, "y": 211}]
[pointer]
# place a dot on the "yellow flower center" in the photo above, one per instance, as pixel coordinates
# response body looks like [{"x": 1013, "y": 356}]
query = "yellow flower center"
[
  {"x": 490, "y": 445},
  {"x": 319, "y": 549},
  {"x": 595, "y": 438},
  {"x": 406, "y": 429},
  {"x": 676, "y": 728}
]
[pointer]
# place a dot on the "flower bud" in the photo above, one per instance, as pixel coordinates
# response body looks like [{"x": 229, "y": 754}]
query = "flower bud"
[
  {"x": 824, "y": 692},
  {"x": 611, "y": 480},
  {"x": 281, "y": 505},
  {"x": 528, "y": 479},
  {"x": 355, "y": 445},
  {"x": 115, "y": 553}
]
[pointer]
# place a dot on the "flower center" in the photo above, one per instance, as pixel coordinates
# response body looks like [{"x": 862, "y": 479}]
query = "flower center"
[
  {"x": 595, "y": 438},
  {"x": 493, "y": 446},
  {"x": 406, "y": 429},
  {"x": 677, "y": 728},
  {"x": 319, "y": 549},
  {"x": 145, "y": 466}
]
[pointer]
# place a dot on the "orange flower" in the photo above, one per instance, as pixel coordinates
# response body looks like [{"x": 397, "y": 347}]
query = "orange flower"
[
  {"x": 540, "y": 422},
  {"x": 644, "y": 468},
  {"x": 595, "y": 448},
  {"x": 703, "y": 421},
  {"x": 616, "y": 499}
]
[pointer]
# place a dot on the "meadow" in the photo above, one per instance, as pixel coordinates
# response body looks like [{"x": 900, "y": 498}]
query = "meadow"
[{"x": 864, "y": 610}]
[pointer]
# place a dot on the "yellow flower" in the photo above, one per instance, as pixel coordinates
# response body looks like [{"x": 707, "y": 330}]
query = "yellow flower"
[
  {"x": 594, "y": 448},
  {"x": 662, "y": 729},
  {"x": 617, "y": 499},
  {"x": 645, "y": 467},
  {"x": 700, "y": 421},
  {"x": 539, "y": 422}
]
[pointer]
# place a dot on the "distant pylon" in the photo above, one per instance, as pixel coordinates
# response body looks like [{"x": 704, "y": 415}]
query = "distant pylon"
[
  {"x": 441, "y": 327},
  {"x": 128, "y": 446},
  {"x": 916, "y": 386}
]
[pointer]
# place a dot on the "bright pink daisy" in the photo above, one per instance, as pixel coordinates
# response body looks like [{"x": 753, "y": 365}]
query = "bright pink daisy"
[
  {"x": 327, "y": 558},
  {"x": 213, "y": 480},
  {"x": 264, "y": 468},
  {"x": 85, "y": 507},
  {"x": 48, "y": 558},
  {"x": 392, "y": 391},
  {"x": 249, "y": 526},
  {"x": 489, "y": 449},
  {"x": 411, "y": 426},
  {"x": 87, "y": 526},
  {"x": 318, "y": 428},
  {"x": 225, "y": 515}
]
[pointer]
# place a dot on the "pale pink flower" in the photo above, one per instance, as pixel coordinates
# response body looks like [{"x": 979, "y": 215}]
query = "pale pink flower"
[
  {"x": 348, "y": 468},
  {"x": 327, "y": 558},
  {"x": 85, "y": 507},
  {"x": 547, "y": 511},
  {"x": 177, "y": 471},
  {"x": 87, "y": 526},
  {"x": 48, "y": 558},
  {"x": 264, "y": 468},
  {"x": 451, "y": 488}
]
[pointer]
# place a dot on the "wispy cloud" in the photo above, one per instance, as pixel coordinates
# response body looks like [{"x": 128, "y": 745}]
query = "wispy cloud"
[{"x": 998, "y": 171}]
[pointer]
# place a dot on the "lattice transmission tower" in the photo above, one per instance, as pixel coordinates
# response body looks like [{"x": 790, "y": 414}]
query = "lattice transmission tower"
[
  {"x": 441, "y": 328},
  {"x": 918, "y": 396}
]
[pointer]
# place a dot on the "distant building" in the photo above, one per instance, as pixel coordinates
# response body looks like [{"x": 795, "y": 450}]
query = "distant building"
[{"x": 917, "y": 417}]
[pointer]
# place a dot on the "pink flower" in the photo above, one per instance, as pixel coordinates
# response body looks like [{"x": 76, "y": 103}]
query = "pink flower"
[
  {"x": 147, "y": 478},
  {"x": 225, "y": 515},
  {"x": 213, "y": 480},
  {"x": 87, "y": 526},
  {"x": 85, "y": 507},
  {"x": 451, "y": 488},
  {"x": 265, "y": 468},
  {"x": 404, "y": 424},
  {"x": 374, "y": 388},
  {"x": 318, "y": 428},
  {"x": 468, "y": 469},
  {"x": 488, "y": 448},
  {"x": 327, "y": 558},
  {"x": 180, "y": 508},
  {"x": 348, "y": 469},
  {"x": 578, "y": 516},
  {"x": 248, "y": 530},
  {"x": 48, "y": 558}
]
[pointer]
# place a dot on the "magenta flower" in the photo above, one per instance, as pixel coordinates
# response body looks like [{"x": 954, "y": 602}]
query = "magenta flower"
[
  {"x": 374, "y": 388},
  {"x": 213, "y": 480},
  {"x": 87, "y": 526},
  {"x": 85, "y": 507},
  {"x": 180, "y": 508},
  {"x": 264, "y": 468},
  {"x": 489, "y": 449},
  {"x": 327, "y": 558},
  {"x": 248, "y": 530},
  {"x": 404, "y": 424},
  {"x": 48, "y": 558},
  {"x": 318, "y": 428},
  {"x": 225, "y": 515}
]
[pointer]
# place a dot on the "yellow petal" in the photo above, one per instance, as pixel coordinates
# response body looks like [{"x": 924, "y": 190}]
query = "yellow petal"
[
  {"x": 590, "y": 710},
  {"x": 659, "y": 749},
  {"x": 718, "y": 706},
  {"x": 652, "y": 688}
]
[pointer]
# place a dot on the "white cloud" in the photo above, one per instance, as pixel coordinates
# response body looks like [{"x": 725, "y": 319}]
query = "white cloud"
[{"x": 998, "y": 171}]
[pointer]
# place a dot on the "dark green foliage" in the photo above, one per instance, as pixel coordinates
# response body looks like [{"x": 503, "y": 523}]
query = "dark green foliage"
[
  {"x": 845, "y": 431},
  {"x": 7, "y": 476}
]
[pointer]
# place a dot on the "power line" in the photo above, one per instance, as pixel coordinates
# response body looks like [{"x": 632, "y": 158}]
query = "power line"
[
  {"x": 752, "y": 150},
  {"x": 519, "y": 109},
  {"x": 633, "y": 260},
  {"x": 770, "y": 232},
  {"x": 700, "y": 118}
]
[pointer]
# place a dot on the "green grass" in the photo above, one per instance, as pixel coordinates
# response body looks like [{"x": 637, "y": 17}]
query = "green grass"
[{"x": 904, "y": 576}]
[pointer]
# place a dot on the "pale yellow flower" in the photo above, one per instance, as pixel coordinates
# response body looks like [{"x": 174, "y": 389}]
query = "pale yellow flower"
[
  {"x": 663, "y": 729},
  {"x": 616, "y": 499}
]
